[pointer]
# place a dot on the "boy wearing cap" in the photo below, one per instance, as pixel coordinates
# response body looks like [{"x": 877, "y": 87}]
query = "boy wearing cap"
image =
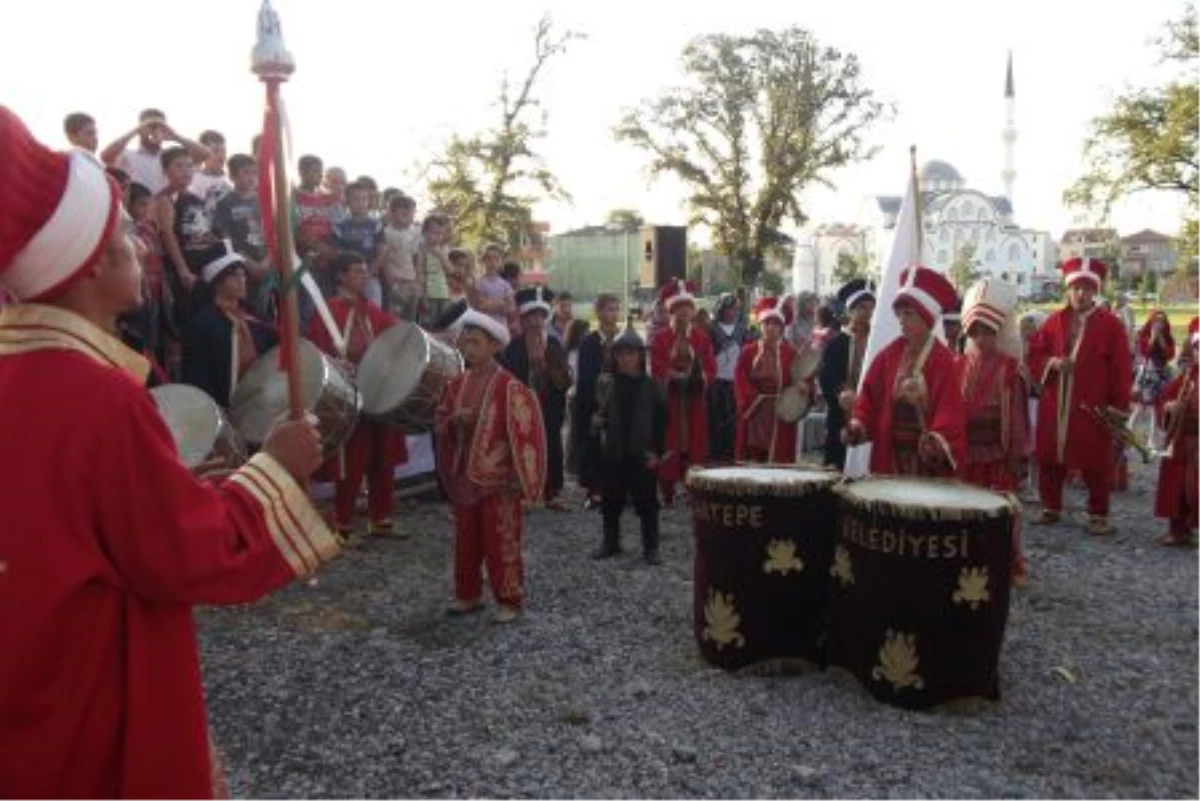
[
  {"x": 491, "y": 453},
  {"x": 631, "y": 426},
  {"x": 1081, "y": 359},
  {"x": 910, "y": 407},
  {"x": 842, "y": 364},
  {"x": 764, "y": 370},
  {"x": 222, "y": 340}
]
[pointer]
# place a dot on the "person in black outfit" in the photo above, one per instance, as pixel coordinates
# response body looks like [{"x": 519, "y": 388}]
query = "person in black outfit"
[
  {"x": 842, "y": 365},
  {"x": 594, "y": 360},
  {"x": 728, "y": 333},
  {"x": 632, "y": 421}
]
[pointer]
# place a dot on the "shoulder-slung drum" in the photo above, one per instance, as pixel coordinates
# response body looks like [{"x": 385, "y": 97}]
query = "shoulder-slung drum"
[
  {"x": 920, "y": 588},
  {"x": 764, "y": 541}
]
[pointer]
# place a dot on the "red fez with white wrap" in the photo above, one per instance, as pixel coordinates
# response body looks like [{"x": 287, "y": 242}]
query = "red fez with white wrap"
[
  {"x": 989, "y": 302},
  {"x": 769, "y": 308},
  {"x": 927, "y": 292},
  {"x": 57, "y": 211},
  {"x": 675, "y": 292},
  {"x": 1082, "y": 269}
]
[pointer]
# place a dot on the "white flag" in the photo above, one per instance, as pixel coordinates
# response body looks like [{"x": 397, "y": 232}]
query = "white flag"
[{"x": 884, "y": 325}]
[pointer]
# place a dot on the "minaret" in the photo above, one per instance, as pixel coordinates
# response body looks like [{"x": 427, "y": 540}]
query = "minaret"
[{"x": 1010, "y": 133}]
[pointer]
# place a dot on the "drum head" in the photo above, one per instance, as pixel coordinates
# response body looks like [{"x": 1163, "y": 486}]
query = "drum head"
[
  {"x": 391, "y": 369},
  {"x": 927, "y": 498},
  {"x": 791, "y": 405},
  {"x": 760, "y": 480},
  {"x": 193, "y": 418},
  {"x": 261, "y": 396}
]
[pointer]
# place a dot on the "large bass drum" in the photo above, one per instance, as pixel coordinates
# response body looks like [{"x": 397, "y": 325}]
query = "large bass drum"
[
  {"x": 200, "y": 429},
  {"x": 402, "y": 375},
  {"x": 764, "y": 545},
  {"x": 261, "y": 397},
  {"x": 921, "y": 584}
]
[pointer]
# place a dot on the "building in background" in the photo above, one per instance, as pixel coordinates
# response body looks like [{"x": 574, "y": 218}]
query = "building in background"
[
  {"x": 1147, "y": 252},
  {"x": 821, "y": 252}
]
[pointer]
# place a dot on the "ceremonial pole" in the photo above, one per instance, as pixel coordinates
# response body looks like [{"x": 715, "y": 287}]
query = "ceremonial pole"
[
  {"x": 273, "y": 65},
  {"x": 919, "y": 238}
]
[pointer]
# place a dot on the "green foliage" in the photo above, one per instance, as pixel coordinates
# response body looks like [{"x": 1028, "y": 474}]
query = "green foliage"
[
  {"x": 849, "y": 267},
  {"x": 1188, "y": 247},
  {"x": 489, "y": 181},
  {"x": 771, "y": 283},
  {"x": 625, "y": 220},
  {"x": 1148, "y": 140},
  {"x": 760, "y": 118},
  {"x": 962, "y": 269}
]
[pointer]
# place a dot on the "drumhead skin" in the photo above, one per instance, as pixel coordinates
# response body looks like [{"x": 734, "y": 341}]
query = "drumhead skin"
[
  {"x": 193, "y": 418},
  {"x": 391, "y": 368},
  {"x": 920, "y": 499},
  {"x": 761, "y": 480}
]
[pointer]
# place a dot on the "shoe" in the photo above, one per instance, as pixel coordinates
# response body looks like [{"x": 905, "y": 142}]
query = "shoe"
[
  {"x": 458, "y": 608},
  {"x": 1049, "y": 517},
  {"x": 1173, "y": 539},
  {"x": 606, "y": 552},
  {"x": 652, "y": 558},
  {"x": 506, "y": 614},
  {"x": 386, "y": 528},
  {"x": 1098, "y": 526}
]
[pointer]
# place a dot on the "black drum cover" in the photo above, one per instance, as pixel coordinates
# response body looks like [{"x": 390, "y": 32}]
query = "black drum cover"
[
  {"x": 921, "y": 576},
  {"x": 764, "y": 543}
]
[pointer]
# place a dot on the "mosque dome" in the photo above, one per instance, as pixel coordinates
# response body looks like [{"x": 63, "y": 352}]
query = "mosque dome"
[{"x": 939, "y": 174}]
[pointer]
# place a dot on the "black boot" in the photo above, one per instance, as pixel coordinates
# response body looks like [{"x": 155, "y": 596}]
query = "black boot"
[
  {"x": 650, "y": 540},
  {"x": 612, "y": 538}
]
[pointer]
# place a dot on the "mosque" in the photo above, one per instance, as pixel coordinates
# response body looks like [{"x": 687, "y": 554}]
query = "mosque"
[{"x": 956, "y": 219}]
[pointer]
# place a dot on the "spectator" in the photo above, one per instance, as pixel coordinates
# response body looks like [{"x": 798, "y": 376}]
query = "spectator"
[
  {"x": 149, "y": 330},
  {"x": 373, "y": 192},
  {"x": 459, "y": 276},
  {"x": 511, "y": 272},
  {"x": 562, "y": 317},
  {"x": 336, "y": 183},
  {"x": 144, "y": 163},
  {"x": 80, "y": 129},
  {"x": 493, "y": 294},
  {"x": 827, "y": 325},
  {"x": 313, "y": 214},
  {"x": 238, "y": 219},
  {"x": 401, "y": 240},
  {"x": 362, "y": 234},
  {"x": 210, "y": 183},
  {"x": 432, "y": 263},
  {"x": 185, "y": 230}
]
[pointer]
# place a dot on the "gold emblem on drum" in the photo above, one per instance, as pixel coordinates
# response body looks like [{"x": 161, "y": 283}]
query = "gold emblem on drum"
[
  {"x": 972, "y": 587},
  {"x": 723, "y": 620},
  {"x": 842, "y": 569},
  {"x": 781, "y": 558},
  {"x": 898, "y": 661}
]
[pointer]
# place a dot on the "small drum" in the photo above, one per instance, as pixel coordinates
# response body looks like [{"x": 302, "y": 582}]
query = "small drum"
[
  {"x": 920, "y": 588},
  {"x": 261, "y": 397},
  {"x": 764, "y": 544},
  {"x": 402, "y": 375},
  {"x": 200, "y": 429},
  {"x": 792, "y": 404}
]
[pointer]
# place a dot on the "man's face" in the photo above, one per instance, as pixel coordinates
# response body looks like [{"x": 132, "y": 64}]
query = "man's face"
[
  {"x": 180, "y": 171},
  {"x": 629, "y": 361},
  {"x": 1081, "y": 295},
  {"x": 404, "y": 216},
  {"x": 912, "y": 325},
  {"x": 232, "y": 284},
  {"x": 359, "y": 202},
  {"x": 534, "y": 322},
  {"x": 246, "y": 179},
  {"x": 860, "y": 315},
  {"x": 217, "y": 148},
  {"x": 727, "y": 314},
  {"x": 141, "y": 209},
  {"x": 435, "y": 235},
  {"x": 476, "y": 346},
  {"x": 354, "y": 279},
  {"x": 118, "y": 273},
  {"x": 609, "y": 313},
  {"x": 152, "y": 133},
  {"x": 310, "y": 176},
  {"x": 492, "y": 261},
  {"x": 564, "y": 309},
  {"x": 86, "y": 138}
]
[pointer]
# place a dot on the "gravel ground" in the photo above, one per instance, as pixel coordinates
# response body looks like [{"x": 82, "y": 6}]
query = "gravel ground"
[{"x": 356, "y": 685}]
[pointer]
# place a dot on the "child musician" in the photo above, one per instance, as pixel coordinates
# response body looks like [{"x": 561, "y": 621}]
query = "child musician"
[
  {"x": 491, "y": 452},
  {"x": 994, "y": 396},
  {"x": 374, "y": 449},
  {"x": 1179, "y": 473},
  {"x": 631, "y": 427}
]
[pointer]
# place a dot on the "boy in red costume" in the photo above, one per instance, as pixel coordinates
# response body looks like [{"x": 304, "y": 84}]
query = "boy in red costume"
[
  {"x": 491, "y": 452},
  {"x": 1081, "y": 359},
  {"x": 910, "y": 406},
  {"x": 763, "y": 371},
  {"x": 108, "y": 541},
  {"x": 1178, "y": 477},
  {"x": 994, "y": 396},
  {"x": 681, "y": 359},
  {"x": 374, "y": 449}
]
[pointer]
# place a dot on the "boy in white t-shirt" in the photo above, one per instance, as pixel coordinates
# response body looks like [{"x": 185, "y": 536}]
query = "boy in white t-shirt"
[{"x": 401, "y": 240}]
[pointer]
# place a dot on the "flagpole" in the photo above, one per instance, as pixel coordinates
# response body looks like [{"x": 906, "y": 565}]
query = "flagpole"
[
  {"x": 916, "y": 192},
  {"x": 273, "y": 64}
]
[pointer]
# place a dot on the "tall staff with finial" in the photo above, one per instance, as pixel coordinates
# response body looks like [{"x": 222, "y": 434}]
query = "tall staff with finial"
[{"x": 273, "y": 64}]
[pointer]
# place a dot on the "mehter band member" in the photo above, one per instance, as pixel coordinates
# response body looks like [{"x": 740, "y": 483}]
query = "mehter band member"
[
  {"x": 910, "y": 407},
  {"x": 374, "y": 449},
  {"x": 764, "y": 370},
  {"x": 1178, "y": 477},
  {"x": 631, "y": 426},
  {"x": 681, "y": 360},
  {"x": 108, "y": 541},
  {"x": 491, "y": 453},
  {"x": 1080, "y": 356},
  {"x": 842, "y": 365},
  {"x": 728, "y": 333},
  {"x": 995, "y": 396}
]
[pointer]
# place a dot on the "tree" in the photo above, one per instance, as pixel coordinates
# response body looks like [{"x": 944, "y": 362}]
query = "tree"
[
  {"x": 760, "y": 118},
  {"x": 962, "y": 270},
  {"x": 485, "y": 180},
  {"x": 771, "y": 283},
  {"x": 849, "y": 267},
  {"x": 1148, "y": 140},
  {"x": 625, "y": 220}
]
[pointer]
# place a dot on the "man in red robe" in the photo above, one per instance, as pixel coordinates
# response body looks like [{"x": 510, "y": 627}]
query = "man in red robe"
[
  {"x": 681, "y": 359},
  {"x": 374, "y": 449},
  {"x": 1080, "y": 356},
  {"x": 491, "y": 452},
  {"x": 1178, "y": 475},
  {"x": 994, "y": 396},
  {"x": 763, "y": 371},
  {"x": 108, "y": 541},
  {"x": 910, "y": 405}
]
